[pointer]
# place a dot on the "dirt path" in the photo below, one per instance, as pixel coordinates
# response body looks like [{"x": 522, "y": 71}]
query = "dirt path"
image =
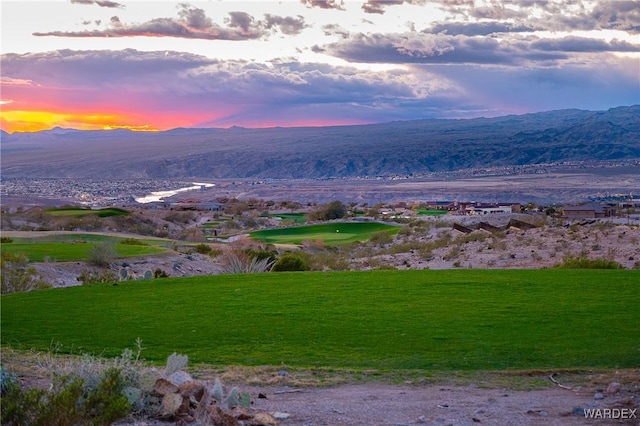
[{"x": 373, "y": 404}]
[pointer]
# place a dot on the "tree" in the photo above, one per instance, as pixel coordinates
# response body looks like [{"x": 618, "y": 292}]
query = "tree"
[{"x": 335, "y": 210}]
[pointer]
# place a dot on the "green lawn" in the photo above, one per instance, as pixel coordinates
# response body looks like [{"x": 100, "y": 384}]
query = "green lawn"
[
  {"x": 68, "y": 251},
  {"x": 299, "y": 218},
  {"x": 78, "y": 212},
  {"x": 329, "y": 233},
  {"x": 426, "y": 212},
  {"x": 434, "y": 320}
]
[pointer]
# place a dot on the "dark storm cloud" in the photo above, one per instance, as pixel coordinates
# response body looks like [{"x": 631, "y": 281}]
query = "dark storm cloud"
[
  {"x": 101, "y": 3},
  {"x": 193, "y": 23}
]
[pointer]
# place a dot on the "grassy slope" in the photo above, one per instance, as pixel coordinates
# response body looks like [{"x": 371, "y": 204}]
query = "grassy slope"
[
  {"x": 383, "y": 319},
  {"x": 79, "y": 212},
  {"x": 329, "y": 233},
  {"x": 62, "y": 252}
]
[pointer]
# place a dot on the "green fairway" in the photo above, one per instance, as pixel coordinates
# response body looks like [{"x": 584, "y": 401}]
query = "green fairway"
[
  {"x": 292, "y": 217},
  {"x": 67, "y": 251},
  {"x": 438, "y": 320},
  {"x": 329, "y": 233},
  {"x": 78, "y": 212},
  {"x": 426, "y": 212}
]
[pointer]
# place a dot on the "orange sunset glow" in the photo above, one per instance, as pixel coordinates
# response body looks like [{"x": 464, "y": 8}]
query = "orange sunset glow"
[{"x": 33, "y": 121}]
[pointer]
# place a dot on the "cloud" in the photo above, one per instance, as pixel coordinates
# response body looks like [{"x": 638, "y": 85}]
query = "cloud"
[
  {"x": 101, "y": 3},
  {"x": 217, "y": 92},
  {"x": 324, "y": 4},
  {"x": 622, "y": 15},
  {"x": 193, "y": 23},
  {"x": 378, "y": 6},
  {"x": 479, "y": 28},
  {"x": 441, "y": 48}
]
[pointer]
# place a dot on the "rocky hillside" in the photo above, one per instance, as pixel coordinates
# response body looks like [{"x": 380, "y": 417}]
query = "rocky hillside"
[{"x": 409, "y": 147}]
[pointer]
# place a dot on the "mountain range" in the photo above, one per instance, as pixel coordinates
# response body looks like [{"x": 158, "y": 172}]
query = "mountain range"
[{"x": 403, "y": 147}]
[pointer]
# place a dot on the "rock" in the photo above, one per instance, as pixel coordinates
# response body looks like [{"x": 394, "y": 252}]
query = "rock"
[
  {"x": 171, "y": 403},
  {"x": 281, "y": 416},
  {"x": 263, "y": 419},
  {"x": 614, "y": 388},
  {"x": 282, "y": 373},
  {"x": 262, "y": 396},
  {"x": 598, "y": 396},
  {"x": 578, "y": 411},
  {"x": 165, "y": 387},
  {"x": 242, "y": 413},
  {"x": 193, "y": 388}
]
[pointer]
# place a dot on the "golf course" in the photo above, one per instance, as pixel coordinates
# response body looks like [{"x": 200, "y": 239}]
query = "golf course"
[
  {"x": 328, "y": 233},
  {"x": 404, "y": 320}
]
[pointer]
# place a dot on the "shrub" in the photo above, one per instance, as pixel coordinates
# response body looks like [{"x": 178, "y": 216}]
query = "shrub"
[
  {"x": 381, "y": 238},
  {"x": 159, "y": 273},
  {"x": 132, "y": 242},
  {"x": 203, "y": 249},
  {"x": 68, "y": 402},
  {"x": 583, "y": 262},
  {"x": 238, "y": 262},
  {"x": 97, "y": 277},
  {"x": 17, "y": 276},
  {"x": 101, "y": 254},
  {"x": 6, "y": 240},
  {"x": 291, "y": 262}
]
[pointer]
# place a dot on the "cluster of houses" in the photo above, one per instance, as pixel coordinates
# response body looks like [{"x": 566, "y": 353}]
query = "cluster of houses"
[{"x": 580, "y": 211}]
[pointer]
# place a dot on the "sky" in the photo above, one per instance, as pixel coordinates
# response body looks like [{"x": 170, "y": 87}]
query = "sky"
[{"x": 158, "y": 65}]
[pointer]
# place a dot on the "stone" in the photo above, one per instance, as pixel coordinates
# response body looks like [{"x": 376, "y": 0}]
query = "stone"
[
  {"x": 263, "y": 419},
  {"x": 165, "y": 387},
  {"x": 614, "y": 388},
  {"x": 171, "y": 403},
  {"x": 281, "y": 416},
  {"x": 578, "y": 411},
  {"x": 193, "y": 388},
  {"x": 598, "y": 396}
]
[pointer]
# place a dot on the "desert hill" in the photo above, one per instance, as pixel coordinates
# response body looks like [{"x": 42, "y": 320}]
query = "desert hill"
[{"x": 407, "y": 147}]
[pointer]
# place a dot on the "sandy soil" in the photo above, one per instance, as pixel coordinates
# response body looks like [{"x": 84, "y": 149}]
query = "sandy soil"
[{"x": 436, "y": 405}]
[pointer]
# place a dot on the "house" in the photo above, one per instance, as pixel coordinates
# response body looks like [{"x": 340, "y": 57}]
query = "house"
[{"x": 585, "y": 211}]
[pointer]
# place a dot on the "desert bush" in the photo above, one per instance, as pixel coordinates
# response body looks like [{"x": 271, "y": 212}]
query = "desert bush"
[
  {"x": 132, "y": 242},
  {"x": 17, "y": 276},
  {"x": 292, "y": 262},
  {"x": 381, "y": 238},
  {"x": 159, "y": 273},
  {"x": 180, "y": 217},
  {"x": 101, "y": 254},
  {"x": 583, "y": 262},
  {"x": 69, "y": 402},
  {"x": 97, "y": 277},
  {"x": 262, "y": 253},
  {"x": 328, "y": 260},
  {"x": 203, "y": 249},
  {"x": 238, "y": 262}
]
